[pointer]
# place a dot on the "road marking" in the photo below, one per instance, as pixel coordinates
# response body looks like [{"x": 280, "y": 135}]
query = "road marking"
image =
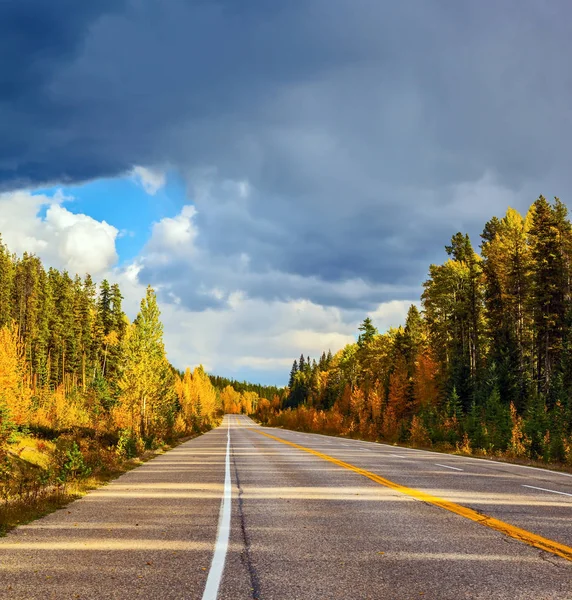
[
  {"x": 532, "y": 487},
  {"x": 505, "y": 528},
  {"x": 448, "y": 467},
  {"x": 223, "y": 532},
  {"x": 483, "y": 461},
  {"x": 397, "y": 455}
]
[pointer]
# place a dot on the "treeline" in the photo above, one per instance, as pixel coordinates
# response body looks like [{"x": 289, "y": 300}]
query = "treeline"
[
  {"x": 485, "y": 366},
  {"x": 81, "y": 387},
  {"x": 71, "y": 358},
  {"x": 262, "y": 391}
]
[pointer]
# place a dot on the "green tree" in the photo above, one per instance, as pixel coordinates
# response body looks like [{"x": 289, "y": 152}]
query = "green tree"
[
  {"x": 549, "y": 287},
  {"x": 368, "y": 331},
  {"x": 147, "y": 385}
]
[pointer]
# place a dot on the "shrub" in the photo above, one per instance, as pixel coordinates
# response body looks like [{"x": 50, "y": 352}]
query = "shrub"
[
  {"x": 70, "y": 462},
  {"x": 128, "y": 446}
]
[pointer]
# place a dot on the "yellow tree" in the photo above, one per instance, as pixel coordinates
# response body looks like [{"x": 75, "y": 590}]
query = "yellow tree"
[
  {"x": 425, "y": 388},
  {"x": 249, "y": 402},
  {"x": 197, "y": 399},
  {"x": 231, "y": 400},
  {"x": 398, "y": 388},
  {"x": 507, "y": 267},
  {"x": 147, "y": 385},
  {"x": 15, "y": 391}
]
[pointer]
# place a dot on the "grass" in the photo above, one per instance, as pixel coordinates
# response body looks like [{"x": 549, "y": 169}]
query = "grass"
[{"x": 21, "y": 511}]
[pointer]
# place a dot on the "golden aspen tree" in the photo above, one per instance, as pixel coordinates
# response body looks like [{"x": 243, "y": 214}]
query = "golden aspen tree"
[
  {"x": 147, "y": 385},
  {"x": 15, "y": 392}
]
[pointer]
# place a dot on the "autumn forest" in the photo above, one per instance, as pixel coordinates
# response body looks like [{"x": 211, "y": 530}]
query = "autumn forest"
[
  {"x": 82, "y": 389},
  {"x": 483, "y": 365}
]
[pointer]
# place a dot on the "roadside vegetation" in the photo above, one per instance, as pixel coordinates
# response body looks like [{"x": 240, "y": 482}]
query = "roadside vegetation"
[
  {"x": 84, "y": 392},
  {"x": 484, "y": 368}
]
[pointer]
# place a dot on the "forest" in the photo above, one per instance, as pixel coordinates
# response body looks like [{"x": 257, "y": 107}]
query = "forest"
[
  {"x": 83, "y": 389},
  {"x": 484, "y": 365}
]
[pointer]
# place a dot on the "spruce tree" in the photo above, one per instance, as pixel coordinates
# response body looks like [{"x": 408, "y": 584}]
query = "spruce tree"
[
  {"x": 293, "y": 372},
  {"x": 548, "y": 290}
]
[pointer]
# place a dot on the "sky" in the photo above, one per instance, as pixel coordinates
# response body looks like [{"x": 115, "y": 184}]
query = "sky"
[{"x": 277, "y": 171}]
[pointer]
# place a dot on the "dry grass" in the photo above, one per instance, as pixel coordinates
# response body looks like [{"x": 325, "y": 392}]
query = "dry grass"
[{"x": 19, "y": 512}]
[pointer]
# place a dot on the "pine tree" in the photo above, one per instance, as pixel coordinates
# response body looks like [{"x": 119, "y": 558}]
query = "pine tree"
[
  {"x": 6, "y": 284},
  {"x": 368, "y": 332},
  {"x": 548, "y": 290},
  {"x": 452, "y": 302},
  {"x": 506, "y": 268},
  {"x": 104, "y": 307},
  {"x": 293, "y": 374}
]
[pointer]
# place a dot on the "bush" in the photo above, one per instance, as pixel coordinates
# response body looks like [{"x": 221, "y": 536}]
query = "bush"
[
  {"x": 7, "y": 427},
  {"x": 70, "y": 462},
  {"x": 128, "y": 445}
]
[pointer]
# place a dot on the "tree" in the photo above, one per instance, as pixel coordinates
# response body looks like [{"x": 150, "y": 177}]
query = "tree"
[
  {"x": 368, "y": 332},
  {"x": 507, "y": 268},
  {"x": 452, "y": 303},
  {"x": 549, "y": 286},
  {"x": 15, "y": 393},
  {"x": 293, "y": 375},
  {"x": 6, "y": 283},
  {"x": 146, "y": 374}
]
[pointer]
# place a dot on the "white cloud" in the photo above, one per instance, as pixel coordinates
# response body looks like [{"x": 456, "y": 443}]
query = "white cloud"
[
  {"x": 214, "y": 313},
  {"x": 152, "y": 180},
  {"x": 63, "y": 239},
  {"x": 391, "y": 314},
  {"x": 236, "y": 328},
  {"x": 175, "y": 234},
  {"x": 256, "y": 334},
  {"x": 238, "y": 331},
  {"x": 253, "y": 333}
]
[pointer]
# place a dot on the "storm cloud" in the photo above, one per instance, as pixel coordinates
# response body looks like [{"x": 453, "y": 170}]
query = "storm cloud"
[{"x": 330, "y": 148}]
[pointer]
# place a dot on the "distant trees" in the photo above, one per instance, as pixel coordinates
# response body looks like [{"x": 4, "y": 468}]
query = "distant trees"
[
  {"x": 69, "y": 358},
  {"x": 262, "y": 391},
  {"x": 486, "y": 364},
  {"x": 198, "y": 401}
]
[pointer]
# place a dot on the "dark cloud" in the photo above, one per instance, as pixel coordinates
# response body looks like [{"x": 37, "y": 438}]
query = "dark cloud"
[{"x": 361, "y": 127}]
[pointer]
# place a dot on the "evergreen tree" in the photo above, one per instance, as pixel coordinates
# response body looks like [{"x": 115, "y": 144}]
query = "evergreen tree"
[
  {"x": 6, "y": 283},
  {"x": 548, "y": 289},
  {"x": 104, "y": 307},
  {"x": 293, "y": 375},
  {"x": 368, "y": 331}
]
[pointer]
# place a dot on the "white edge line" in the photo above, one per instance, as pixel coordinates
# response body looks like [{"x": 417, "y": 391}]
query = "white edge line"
[
  {"x": 482, "y": 460},
  {"x": 532, "y": 487},
  {"x": 223, "y": 532},
  {"x": 448, "y": 467}
]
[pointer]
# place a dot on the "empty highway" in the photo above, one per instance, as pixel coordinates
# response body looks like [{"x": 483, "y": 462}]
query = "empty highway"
[{"x": 250, "y": 512}]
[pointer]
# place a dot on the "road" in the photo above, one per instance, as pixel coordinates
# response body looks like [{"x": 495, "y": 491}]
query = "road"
[{"x": 325, "y": 518}]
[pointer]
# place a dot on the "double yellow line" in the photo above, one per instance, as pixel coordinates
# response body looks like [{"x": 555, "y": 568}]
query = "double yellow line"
[{"x": 509, "y": 530}]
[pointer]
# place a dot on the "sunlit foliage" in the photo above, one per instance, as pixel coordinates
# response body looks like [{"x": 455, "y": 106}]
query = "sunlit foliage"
[{"x": 485, "y": 366}]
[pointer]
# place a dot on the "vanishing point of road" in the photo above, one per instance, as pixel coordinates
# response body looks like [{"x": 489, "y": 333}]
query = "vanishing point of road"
[{"x": 248, "y": 512}]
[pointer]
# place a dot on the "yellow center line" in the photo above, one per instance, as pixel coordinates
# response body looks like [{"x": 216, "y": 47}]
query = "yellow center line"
[{"x": 514, "y": 532}]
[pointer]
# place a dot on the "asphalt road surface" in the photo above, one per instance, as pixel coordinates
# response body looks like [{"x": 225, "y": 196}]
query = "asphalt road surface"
[{"x": 235, "y": 514}]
